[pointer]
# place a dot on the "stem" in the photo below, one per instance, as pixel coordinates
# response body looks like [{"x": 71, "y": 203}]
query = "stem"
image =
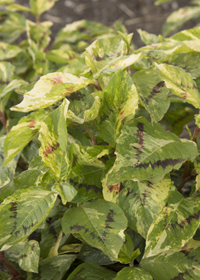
[
  {"x": 21, "y": 165},
  {"x": 97, "y": 86},
  {"x": 185, "y": 180},
  {"x": 131, "y": 264},
  {"x": 186, "y": 169},
  {"x": 195, "y": 134},
  {"x": 91, "y": 136},
  {"x": 37, "y": 19},
  {"x": 128, "y": 69},
  {"x": 3, "y": 120},
  {"x": 11, "y": 269}
]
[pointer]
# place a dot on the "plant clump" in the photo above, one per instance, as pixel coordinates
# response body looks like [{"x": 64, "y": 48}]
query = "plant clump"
[{"x": 95, "y": 182}]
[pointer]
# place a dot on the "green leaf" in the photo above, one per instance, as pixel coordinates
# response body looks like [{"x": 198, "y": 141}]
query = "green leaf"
[
  {"x": 38, "y": 34},
  {"x": 93, "y": 112},
  {"x": 23, "y": 65},
  {"x": 51, "y": 239},
  {"x": 6, "y": 71},
  {"x": 7, "y": 171},
  {"x": 24, "y": 180},
  {"x": 127, "y": 39},
  {"x": 175, "y": 224},
  {"x": 135, "y": 273},
  {"x": 22, "y": 212},
  {"x": 148, "y": 152},
  {"x": 53, "y": 268},
  {"x": 22, "y": 133},
  {"x": 53, "y": 138},
  {"x": 5, "y": 2},
  {"x": 22, "y": 90},
  {"x": 30, "y": 151},
  {"x": 17, "y": 7},
  {"x": 29, "y": 257},
  {"x": 36, "y": 163},
  {"x": 148, "y": 38},
  {"x": 197, "y": 120},
  {"x": 91, "y": 254},
  {"x": 108, "y": 55},
  {"x": 8, "y": 51},
  {"x": 4, "y": 275},
  {"x": 192, "y": 44},
  {"x": 127, "y": 253},
  {"x": 175, "y": 264},
  {"x": 91, "y": 270},
  {"x": 153, "y": 92},
  {"x": 100, "y": 224},
  {"x": 180, "y": 83},
  {"x": 120, "y": 99},
  {"x": 188, "y": 61},
  {"x": 142, "y": 202},
  {"x": 96, "y": 152},
  {"x": 50, "y": 89},
  {"x": 188, "y": 34},
  {"x": 84, "y": 106},
  {"x": 61, "y": 56},
  {"x": 81, "y": 30},
  {"x": 119, "y": 63},
  {"x": 12, "y": 26},
  {"x": 40, "y": 6},
  {"x": 158, "y": 2},
  {"x": 76, "y": 66},
  {"x": 40, "y": 63},
  {"x": 66, "y": 191},
  {"x": 177, "y": 118},
  {"x": 104, "y": 50},
  {"x": 85, "y": 170},
  {"x": 178, "y": 18},
  {"x": 88, "y": 191},
  {"x": 70, "y": 248},
  {"x": 14, "y": 84}
]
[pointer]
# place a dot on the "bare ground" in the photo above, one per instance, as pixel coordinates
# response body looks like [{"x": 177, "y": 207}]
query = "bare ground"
[{"x": 134, "y": 14}]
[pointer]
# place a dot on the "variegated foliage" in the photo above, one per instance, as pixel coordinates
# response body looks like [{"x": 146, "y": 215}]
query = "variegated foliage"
[{"x": 95, "y": 182}]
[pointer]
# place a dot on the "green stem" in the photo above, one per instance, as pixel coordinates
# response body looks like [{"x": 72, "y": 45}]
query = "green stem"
[
  {"x": 131, "y": 264},
  {"x": 91, "y": 136}
]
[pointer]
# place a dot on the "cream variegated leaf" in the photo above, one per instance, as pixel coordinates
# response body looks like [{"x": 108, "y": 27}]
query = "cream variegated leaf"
[
  {"x": 53, "y": 138},
  {"x": 147, "y": 152},
  {"x": 120, "y": 100},
  {"x": 99, "y": 223},
  {"x": 22, "y": 133},
  {"x": 50, "y": 89},
  {"x": 130, "y": 273},
  {"x": 182, "y": 263},
  {"x": 22, "y": 212},
  {"x": 142, "y": 202},
  {"x": 175, "y": 225},
  {"x": 53, "y": 268},
  {"x": 180, "y": 83}
]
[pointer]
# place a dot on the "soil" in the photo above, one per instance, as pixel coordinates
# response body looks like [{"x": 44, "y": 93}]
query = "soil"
[{"x": 134, "y": 14}]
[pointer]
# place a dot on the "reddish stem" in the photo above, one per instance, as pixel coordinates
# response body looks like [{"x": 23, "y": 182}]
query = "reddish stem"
[
  {"x": 195, "y": 134},
  {"x": 10, "y": 268},
  {"x": 3, "y": 120}
]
